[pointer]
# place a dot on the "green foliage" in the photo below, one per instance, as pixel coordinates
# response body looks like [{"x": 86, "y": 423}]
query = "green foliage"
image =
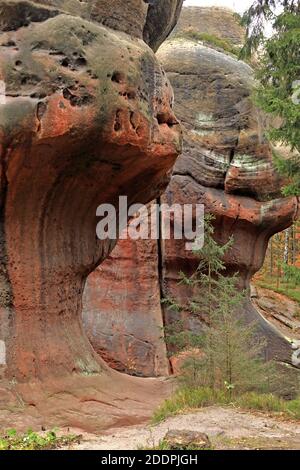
[
  {"x": 279, "y": 74},
  {"x": 231, "y": 353},
  {"x": 279, "y": 272},
  {"x": 187, "y": 399},
  {"x": 238, "y": 18},
  {"x": 261, "y": 402},
  {"x": 180, "y": 338},
  {"x": 292, "y": 408},
  {"x": 279, "y": 69},
  {"x": 290, "y": 168},
  {"x": 284, "y": 289},
  {"x": 291, "y": 274},
  {"x": 277, "y": 94},
  {"x": 211, "y": 255},
  {"x": 270, "y": 403},
  {"x": 31, "y": 440},
  {"x": 210, "y": 39},
  {"x": 254, "y": 20},
  {"x": 235, "y": 350}
]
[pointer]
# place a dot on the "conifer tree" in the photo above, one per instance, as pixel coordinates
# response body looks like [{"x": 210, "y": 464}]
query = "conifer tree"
[
  {"x": 279, "y": 76},
  {"x": 231, "y": 355}
]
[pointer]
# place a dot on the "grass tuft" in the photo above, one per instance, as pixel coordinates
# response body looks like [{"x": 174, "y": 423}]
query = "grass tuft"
[
  {"x": 293, "y": 292},
  {"x": 209, "y": 39},
  {"x": 262, "y": 402},
  {"x": 190, "y": 399}
]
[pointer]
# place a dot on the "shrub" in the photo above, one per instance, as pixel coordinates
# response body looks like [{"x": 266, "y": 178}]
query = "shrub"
[{"x": 31, "y": 440}]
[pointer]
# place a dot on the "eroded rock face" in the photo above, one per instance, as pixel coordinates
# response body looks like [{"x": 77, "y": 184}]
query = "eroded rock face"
[
  {"x": 152, "y": 20},
  {"x": 227, "y": 166},
  {"x": 122, "y": 310},
  {"x": 215, "y": 21},
  {"x": 78, "y": 127},
  {"x": 161, "y": 18}
]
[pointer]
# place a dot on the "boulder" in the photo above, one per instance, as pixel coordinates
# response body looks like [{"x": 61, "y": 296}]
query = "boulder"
[{"x": 186, "y": 440}]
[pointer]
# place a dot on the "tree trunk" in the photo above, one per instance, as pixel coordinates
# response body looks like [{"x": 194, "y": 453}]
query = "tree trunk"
[{"x": 286, "y": 245}]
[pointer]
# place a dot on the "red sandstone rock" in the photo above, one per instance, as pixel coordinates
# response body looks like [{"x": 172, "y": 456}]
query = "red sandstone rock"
[
  {"x": 178, "y": 361},
  {"x": 122, "y": 298},
  {"x": 79, "y": 127},
  {"x": 226, "y": 165}
]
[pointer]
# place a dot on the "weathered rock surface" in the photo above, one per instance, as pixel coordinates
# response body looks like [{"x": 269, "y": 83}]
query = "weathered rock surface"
[
  {"x": 123, "y": 310},
  {"x": 85, "y": 117},
  {"x": 186, "y": 440},
  {"x": 215, "y": 21},
  {"x": 279, "y": 309},
  {"x": 227, "y": 166},
  {"x": 161, "y": 18},
  {"x": 152, "y": 20}
]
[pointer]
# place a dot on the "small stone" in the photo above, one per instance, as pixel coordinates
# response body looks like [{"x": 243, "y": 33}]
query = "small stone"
[{"x": 186, "y": 440}]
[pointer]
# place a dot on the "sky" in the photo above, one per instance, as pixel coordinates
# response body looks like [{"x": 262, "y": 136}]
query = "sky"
[{"x": 237, "y": 5}]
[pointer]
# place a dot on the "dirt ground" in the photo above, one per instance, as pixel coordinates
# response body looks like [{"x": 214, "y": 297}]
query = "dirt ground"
[{"x": 227, "y": 428}]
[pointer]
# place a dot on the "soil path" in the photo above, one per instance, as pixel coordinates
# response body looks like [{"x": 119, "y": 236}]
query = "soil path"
[{"x": 227, "y": 427}]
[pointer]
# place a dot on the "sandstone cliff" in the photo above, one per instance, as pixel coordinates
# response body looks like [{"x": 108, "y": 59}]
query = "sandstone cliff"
[
  {"x": 85, "y": 116},
  {"x": 215, "y": 21},
  {"x": 226, "y": 165}
]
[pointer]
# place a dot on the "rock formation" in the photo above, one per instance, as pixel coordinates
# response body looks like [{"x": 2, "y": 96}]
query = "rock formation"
[
  {"x": 227, "y": 166},
  {"x": 122, "y": 310},
  {"x": 279, "y": 309},
  {"x": 85, "y": 116},
  {"x": 216, "y": 22}
]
